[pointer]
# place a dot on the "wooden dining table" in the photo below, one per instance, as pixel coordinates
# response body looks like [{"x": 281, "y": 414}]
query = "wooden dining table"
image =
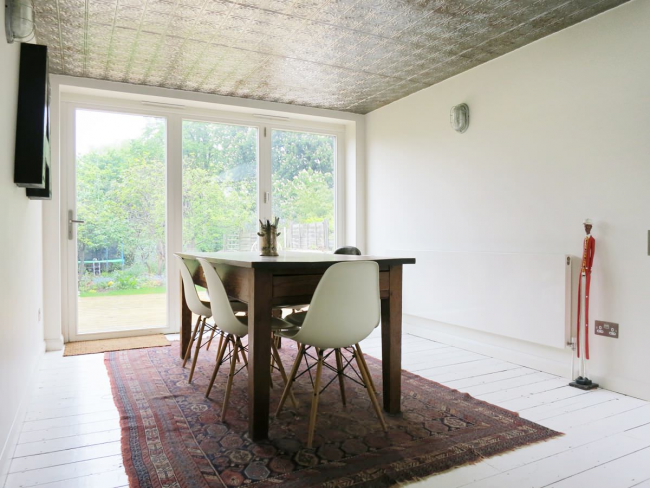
[{"x": 291, "y": 279}]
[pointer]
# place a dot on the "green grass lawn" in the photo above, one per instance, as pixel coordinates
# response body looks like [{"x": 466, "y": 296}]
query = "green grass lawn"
[{"x": 135, "y": 291}]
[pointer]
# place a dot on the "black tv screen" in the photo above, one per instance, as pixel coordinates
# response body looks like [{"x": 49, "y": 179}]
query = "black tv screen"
[
  {"x": 32, "y": 156},
  {"x": 44, "y": 193}
]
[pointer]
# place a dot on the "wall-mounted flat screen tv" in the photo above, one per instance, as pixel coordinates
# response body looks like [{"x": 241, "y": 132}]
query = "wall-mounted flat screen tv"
[
  {"x": 44, "y": 193},
  {"x": 32, "y": 156}
]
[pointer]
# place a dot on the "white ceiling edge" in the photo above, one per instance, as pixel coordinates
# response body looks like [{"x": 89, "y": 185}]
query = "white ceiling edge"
[{"x": 78, "y": 89}]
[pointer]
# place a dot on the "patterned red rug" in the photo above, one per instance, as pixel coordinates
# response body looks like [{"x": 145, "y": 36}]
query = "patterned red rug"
[{"x": 172, "y": 436}]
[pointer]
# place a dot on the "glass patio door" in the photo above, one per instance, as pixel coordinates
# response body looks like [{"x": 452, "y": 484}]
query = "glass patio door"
[
  {"x": 303, "y": 184},
  {"x": 148, "y": 183},
  {"x": 117, "y": 225},
  {"x": 220, "y": 186}
]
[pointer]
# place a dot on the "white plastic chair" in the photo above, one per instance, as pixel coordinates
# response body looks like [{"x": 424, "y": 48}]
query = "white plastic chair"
[
  {"x": 294, "y": 317},
  {"x": 344, "y": 310},
  {"x": 235, "y": 329},
  {"x": 197, "y": 307}
]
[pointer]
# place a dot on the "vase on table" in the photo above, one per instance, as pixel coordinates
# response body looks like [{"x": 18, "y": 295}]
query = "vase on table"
[{"x": 269, "y": 237}]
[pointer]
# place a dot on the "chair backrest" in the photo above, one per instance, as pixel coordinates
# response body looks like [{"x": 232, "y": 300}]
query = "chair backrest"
[
  {"x": 345, "y": 308},
  {"x": 222, "y": 312},
  {"x": 351, "y": 250},
  {"x": 188, "y": 267}
]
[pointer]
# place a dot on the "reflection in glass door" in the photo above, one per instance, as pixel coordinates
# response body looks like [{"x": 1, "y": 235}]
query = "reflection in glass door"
[
  {"x": 219, "y": 187},
  {"x": 120, "y": 197},
  {"x": 302, "y": 169}
]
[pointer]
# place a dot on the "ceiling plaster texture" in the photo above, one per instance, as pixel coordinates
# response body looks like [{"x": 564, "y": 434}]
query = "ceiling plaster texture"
[{"x": 350, "y": 55}]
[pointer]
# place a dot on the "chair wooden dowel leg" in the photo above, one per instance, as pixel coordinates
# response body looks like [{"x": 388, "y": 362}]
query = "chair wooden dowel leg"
[
  {"x": 236, "y": 350},
  {"x": 339, "y": 368},
  {"x": 220, "y": 355},
  {"x": 271, "y": 368},
  {"x": 243, "y": 353},
  {"x": 283, "y": 373},
  {"x": 207, "y": 347},
  {"x": 196, "y": 352},
  {"x": 314, "y": 401},
  {"x": 231, "y": 375},
  {"x": 292, "y": 378},
  {"x": 365, "y": 374},
  {"x": 189, "y": 344},
  {"x": 365, "y": 365},
  {"x": 221, "y": 336}
]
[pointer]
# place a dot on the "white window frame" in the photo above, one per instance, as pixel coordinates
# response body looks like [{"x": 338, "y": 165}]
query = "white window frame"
[
  {"x": 339, "y": 193},
  {"x": 70, "y": 102}
]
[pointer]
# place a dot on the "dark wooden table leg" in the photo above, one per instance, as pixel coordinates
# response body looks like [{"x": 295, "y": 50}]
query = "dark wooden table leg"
[
  {"x": 186, "y": 323},
  {"x": 259, "y": 353},
  {"x": 277, "y": 313},
  {"x": 391, "y": 342}
]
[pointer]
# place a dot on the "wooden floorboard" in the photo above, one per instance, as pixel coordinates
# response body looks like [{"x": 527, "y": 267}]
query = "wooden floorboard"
[
  {"x": 66, "y": 456},
  {"x": 67, "y": 431},
  {"x": 559, "y": 466},
  {"x": 71, "y": 435},
  {"x": 622, "y": 472},
  {"x": 63, "y": 443},
  {"x": 110, "y": 479}
]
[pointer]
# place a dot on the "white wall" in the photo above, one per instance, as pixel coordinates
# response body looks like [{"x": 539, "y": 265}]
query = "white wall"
[
  {"x": 560, "y": 131},
  {"x": 21, "y": 283}
]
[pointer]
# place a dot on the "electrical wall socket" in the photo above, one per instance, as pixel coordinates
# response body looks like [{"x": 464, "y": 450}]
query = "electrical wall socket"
[{"x": 607, "y": 329}]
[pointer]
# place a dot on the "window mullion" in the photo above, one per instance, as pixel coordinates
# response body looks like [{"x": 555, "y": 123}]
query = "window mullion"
[
  {"x": 174, "y": 213},
  {"x": 265, "y": 195}
]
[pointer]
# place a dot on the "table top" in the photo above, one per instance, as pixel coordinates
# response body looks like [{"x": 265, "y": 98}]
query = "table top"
[{"x": 288, "y": 259}]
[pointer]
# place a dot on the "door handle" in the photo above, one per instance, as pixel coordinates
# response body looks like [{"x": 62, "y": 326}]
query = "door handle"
[{"x": 71, "y": 221}]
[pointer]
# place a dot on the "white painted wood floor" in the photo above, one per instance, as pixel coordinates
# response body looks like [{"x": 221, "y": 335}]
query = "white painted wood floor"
[{"x": 71, "y": 434}]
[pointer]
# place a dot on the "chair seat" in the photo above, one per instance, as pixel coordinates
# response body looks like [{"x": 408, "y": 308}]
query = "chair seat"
[
  {"x": 206, "y": 311},
  {"x": 236, "y": 305},
  {"x": 277, "y": 325},
  {"x": 296, "y": 318}
]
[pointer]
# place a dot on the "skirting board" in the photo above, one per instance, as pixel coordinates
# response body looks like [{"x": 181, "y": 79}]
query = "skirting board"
[
  {"x": 493, "y": 292},
  {"x": 9, "y": 446},
  {"x": 54, "y": 344},
  {"x": 542, "y": 358},
  {"x": 546, "y": 359},
  {"x": 12, "y": 440}
]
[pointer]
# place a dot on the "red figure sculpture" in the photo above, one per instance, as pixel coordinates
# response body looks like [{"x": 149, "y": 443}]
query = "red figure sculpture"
[{"x": 588, "y": 251}]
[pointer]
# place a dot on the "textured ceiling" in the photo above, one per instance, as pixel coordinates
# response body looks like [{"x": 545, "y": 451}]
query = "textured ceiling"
[{"x": 352, "y": 55}]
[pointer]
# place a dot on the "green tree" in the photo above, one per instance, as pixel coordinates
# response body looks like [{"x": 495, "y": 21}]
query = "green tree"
[
  {"x": 121, "y": 190},
  {"x": 293, "y": 152},
  {"x": 303, "y": 176},
  {"x": 306, "y": 198},
  {"x": 121, "y": 196},
  {"x": 219, "y": 183}
]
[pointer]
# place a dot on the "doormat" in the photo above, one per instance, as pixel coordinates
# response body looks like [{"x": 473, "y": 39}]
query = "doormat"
[{"x": 122, "y": 344}]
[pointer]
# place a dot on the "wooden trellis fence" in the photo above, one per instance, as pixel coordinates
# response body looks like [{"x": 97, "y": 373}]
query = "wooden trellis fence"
[{"x": 314, "y": 236}]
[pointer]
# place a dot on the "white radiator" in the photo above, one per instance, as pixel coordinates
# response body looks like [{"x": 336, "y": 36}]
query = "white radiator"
[{"x": 523, "y": 296}]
